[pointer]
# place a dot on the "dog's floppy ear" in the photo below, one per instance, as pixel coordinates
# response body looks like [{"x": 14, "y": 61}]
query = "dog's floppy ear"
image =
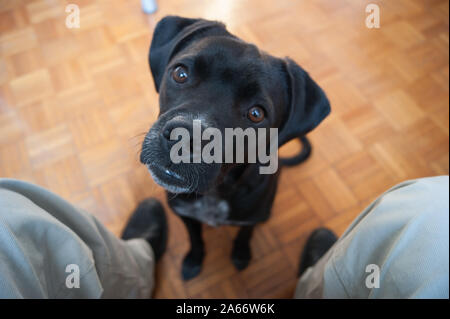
[
  {"x": 172, "y": 34},
  {"x": 308, "y": 104}
]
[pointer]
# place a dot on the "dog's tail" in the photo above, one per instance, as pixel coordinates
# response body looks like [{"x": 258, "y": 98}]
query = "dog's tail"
[{"x": 301, "y": 156}]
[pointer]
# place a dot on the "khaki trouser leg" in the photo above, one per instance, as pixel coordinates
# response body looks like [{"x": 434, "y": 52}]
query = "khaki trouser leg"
[
  {"x": 41, "y": 234},
  {"x": 405, "y": 233}
]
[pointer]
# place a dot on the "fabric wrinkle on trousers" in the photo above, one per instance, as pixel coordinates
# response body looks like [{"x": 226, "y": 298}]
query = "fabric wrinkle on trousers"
[
  {"x": 405, "y": 233},
  {"x": 41, "y": 234}
]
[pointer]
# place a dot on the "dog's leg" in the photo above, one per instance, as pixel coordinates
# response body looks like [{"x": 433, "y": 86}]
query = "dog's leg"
[
  {"x": 192, "y": 263},
  {"x": 242, "y": 254}
]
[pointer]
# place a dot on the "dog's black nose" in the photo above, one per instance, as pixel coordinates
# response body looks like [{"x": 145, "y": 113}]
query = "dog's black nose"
[
  {"x": 166, "y": 133},
  {"x": 170, "y": 126}
]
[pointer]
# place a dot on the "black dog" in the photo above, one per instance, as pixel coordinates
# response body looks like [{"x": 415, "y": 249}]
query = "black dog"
[{"x": 201, "y": 71}]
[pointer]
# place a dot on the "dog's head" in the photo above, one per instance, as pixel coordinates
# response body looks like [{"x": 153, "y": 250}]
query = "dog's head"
[{"x": 202, "y": 72}]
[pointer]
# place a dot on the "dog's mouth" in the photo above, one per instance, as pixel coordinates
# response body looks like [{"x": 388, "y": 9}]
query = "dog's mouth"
[
  {"x": 172, "y": 176},
  {"x": 169, "y": 179}
]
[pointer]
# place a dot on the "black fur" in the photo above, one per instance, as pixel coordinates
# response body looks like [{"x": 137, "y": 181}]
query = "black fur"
[{"x": 227, "y": 76}]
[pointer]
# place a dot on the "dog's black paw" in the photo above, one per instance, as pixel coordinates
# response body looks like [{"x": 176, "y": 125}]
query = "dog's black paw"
[
  {"x": 241, "y": 256},
  {"x": 192, "y": 265}
]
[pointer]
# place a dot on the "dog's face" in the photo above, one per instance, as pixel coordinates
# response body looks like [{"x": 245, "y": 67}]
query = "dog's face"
[{"x": 204, "y": 73}]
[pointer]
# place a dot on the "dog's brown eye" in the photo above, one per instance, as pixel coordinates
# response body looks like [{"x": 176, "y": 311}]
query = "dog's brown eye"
[
  {"x": 179, "y": 74},
  {"x": 256, "y": 114}
]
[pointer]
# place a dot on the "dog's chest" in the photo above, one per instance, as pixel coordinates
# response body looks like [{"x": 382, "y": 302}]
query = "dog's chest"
[{"x": 211, "y": 210}]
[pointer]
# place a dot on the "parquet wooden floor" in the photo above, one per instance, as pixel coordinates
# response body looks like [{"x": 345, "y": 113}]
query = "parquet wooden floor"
[{"x": 74, "y": 104}]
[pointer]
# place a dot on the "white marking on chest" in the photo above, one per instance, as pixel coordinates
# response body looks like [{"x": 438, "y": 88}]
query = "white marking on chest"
[{"x": 211, "y": 210}]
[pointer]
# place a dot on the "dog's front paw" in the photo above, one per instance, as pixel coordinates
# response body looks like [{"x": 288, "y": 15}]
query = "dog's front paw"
[
  {"x": 241, "y": 256},
  {"x": 192, "y": 265}
]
